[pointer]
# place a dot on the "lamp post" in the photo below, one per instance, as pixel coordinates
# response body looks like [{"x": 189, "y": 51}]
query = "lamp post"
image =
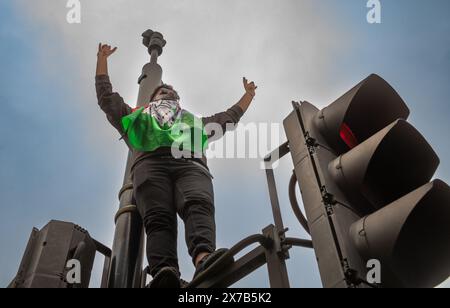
[{"x": 128, "y": 246}]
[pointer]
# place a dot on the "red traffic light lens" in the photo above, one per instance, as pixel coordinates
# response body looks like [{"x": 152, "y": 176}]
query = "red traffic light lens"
[
  {"x": 348, "y": 136},
  {"x": 367, "y": 108}
]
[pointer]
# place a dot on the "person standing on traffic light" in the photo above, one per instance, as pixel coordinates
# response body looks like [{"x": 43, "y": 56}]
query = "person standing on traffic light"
[{"x": 164, "y": 184}]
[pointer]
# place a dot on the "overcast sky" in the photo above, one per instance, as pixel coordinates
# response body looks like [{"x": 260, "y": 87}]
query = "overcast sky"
[{"x": 62, "y": 160}]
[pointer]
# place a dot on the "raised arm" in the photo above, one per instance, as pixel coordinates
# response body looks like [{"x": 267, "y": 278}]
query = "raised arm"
[
  {"x": 110, "y": 102},
  {"x": 232, "y": 115},
  {"x": 250, "y": 92}
]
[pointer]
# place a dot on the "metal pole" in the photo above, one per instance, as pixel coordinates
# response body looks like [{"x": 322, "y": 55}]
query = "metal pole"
[
  {"x": 276, "y": 256},
  {"x": 276, "y": 259},
  {"x": 128, "y": 246},
  {"x": 269, "y": 160}
]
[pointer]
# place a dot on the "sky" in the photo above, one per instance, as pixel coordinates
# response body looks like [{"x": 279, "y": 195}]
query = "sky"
[{"x": 62, "y": 160}]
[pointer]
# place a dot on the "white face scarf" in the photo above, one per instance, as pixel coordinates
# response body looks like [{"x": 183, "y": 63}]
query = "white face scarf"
[{"x": 165, "y": 112}]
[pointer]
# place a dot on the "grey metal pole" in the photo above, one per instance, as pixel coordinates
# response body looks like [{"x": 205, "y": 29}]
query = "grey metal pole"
[{"x": 128, "y": 245}]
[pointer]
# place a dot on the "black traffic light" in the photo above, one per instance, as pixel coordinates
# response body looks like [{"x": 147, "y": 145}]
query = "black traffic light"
[
  {"x": 364, "y": 173},
  {"x": 45, "y": 261}
]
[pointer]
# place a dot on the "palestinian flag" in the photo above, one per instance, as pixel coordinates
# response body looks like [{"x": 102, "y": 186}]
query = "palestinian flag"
[{"x": 146, "y": 135}]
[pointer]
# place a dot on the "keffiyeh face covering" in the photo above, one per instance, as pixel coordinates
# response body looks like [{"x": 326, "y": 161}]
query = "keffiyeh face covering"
[{"x": 165, "y": 112}]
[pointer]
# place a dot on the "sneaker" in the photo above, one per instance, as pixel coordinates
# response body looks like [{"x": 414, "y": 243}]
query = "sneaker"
[
  {"x": 167, "y": 278},
  {"x": 184, "y": 284},
  {"x": 209, "y": 260}
]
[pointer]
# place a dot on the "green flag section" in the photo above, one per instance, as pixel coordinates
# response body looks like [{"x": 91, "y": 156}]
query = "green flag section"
[{"x": 145, "y": 134}]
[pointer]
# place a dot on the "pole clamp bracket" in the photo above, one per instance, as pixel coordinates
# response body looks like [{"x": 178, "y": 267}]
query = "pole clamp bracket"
[{"x": 126, "y": 209}]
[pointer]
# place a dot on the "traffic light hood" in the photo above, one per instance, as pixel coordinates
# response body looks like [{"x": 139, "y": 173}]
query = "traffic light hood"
[
  {"x": 410, "y": 237},
  {"x": 388, "y": 165},
  {"x": 360, "y": 113}
]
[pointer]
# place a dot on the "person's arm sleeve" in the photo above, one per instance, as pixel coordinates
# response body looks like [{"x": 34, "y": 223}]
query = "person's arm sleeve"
[
  {"x": 224, "y": 120},
  {"x": 111, "y": 102}
]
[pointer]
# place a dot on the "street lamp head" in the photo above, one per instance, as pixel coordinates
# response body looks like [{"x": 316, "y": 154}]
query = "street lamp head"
[{"x": 153, "y": 41}]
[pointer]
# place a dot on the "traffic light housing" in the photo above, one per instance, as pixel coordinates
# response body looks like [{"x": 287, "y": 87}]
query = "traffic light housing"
[
  {"x": 44, "y": 264},
  {"x": 364, "y": 173}
]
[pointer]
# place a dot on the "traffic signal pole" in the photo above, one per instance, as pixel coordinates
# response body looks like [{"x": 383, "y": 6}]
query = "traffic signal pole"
[
  {"x": 318, "y": 204},
  {"x": 128, "y": 246}
]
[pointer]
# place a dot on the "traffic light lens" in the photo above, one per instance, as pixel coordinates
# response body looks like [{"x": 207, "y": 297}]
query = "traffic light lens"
[{"x": 348, "y": 136}]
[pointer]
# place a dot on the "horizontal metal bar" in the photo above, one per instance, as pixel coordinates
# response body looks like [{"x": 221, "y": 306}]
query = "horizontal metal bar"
[
  {"x": 104, "y": 250},
  {"x": 238, "y": 270},
  {"x": 298, "y": 242},
  {"x": 276, "y": 155},
  {"x": 210, "y": 272}
]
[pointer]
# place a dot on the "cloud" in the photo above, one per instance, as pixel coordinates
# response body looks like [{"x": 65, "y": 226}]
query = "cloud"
[{"x": 286, "y": 48}]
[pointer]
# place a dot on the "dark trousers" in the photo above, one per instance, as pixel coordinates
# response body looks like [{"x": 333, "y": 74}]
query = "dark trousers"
[{"x": 164, "y": 187}]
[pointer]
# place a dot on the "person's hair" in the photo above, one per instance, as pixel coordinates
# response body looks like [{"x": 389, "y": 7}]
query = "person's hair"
[{"x": 163, "y": 86}]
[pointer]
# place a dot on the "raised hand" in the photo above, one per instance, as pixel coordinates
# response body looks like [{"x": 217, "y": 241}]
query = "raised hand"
[
  {"x": 105, "y": 50},
  {"x": 250, "y": 88}
]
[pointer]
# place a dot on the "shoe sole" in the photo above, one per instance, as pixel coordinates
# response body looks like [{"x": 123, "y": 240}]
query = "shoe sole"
[
  {"x": 214, "y": 257},
  {"x": 166, "y": 279}
]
